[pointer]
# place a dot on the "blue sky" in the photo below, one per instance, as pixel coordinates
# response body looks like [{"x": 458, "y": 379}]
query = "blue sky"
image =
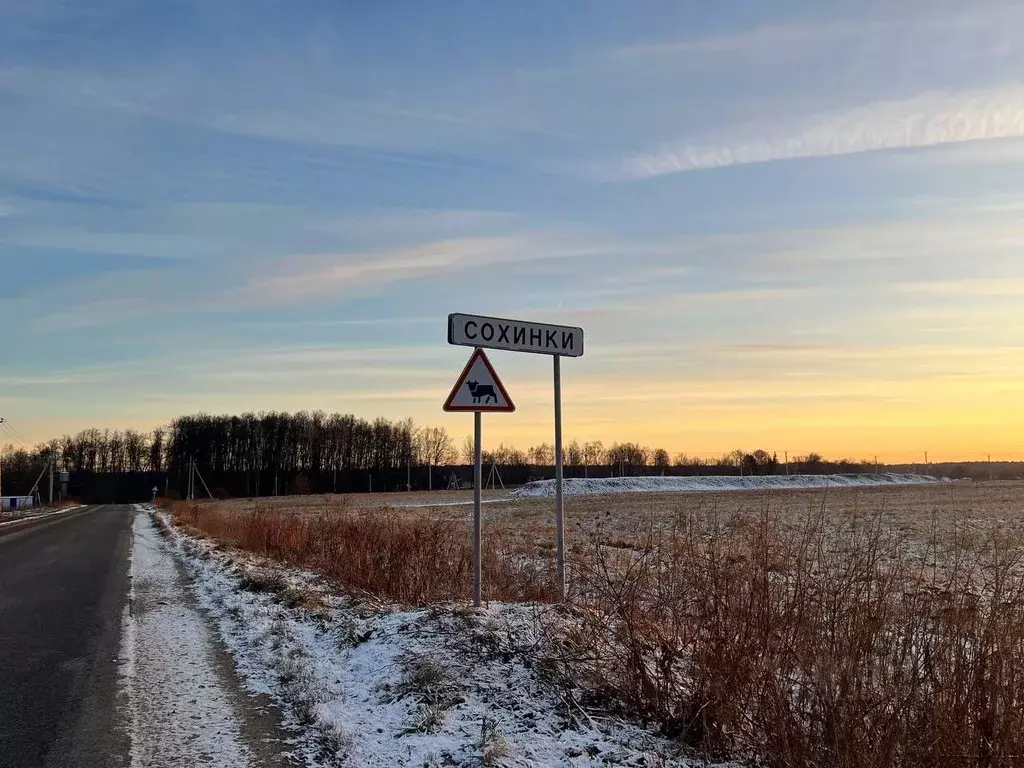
[{"x": 782, "y": 224}]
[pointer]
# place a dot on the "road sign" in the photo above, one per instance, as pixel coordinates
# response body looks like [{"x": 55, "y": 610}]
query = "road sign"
[
  {"x": 479, "y": 389},
  {"x": 515, "y": 335}
]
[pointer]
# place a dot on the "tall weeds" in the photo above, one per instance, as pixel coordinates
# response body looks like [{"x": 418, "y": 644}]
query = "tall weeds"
[
  {"x": 832, "y": 641},
  {"x": 412, "y": 561},
  {"x": 824, "y": 644}
]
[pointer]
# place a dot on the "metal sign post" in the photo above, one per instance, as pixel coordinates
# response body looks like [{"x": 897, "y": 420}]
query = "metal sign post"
[
  {"x": 477, "y": 390},
  {"x": 559, "y": 479},
  {"x": 478, "y": 534},
  {"x": 536, "y": 338}
]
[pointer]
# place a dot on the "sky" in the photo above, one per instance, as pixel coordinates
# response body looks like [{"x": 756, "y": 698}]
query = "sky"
[{"x": 790, "y": 225}]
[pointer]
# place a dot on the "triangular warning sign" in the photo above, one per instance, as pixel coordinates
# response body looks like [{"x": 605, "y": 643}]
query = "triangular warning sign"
[{"x": 479, "y": 389}]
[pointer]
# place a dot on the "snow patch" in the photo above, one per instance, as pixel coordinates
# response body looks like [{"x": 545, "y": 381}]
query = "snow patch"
[
  {"x": 180, "y": 715},
  {"x": 589, "y": 487},
  {"x": 34, "y": 514},
  {"x": 370, "y": 685}
]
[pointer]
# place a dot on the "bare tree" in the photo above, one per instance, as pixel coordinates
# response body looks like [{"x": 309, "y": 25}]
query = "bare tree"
[
  {"x": 156, "y": 450},
  {"x": 593, "y": 453},
  {"x": 542, "y": 455},
  {"x": 574, "y": 454},
  {"x": 509, "y": 457},
  {"x": 435, "y": 446},
  {"x": 628, "y": 454},
  {"x": 468, "y": 451}
]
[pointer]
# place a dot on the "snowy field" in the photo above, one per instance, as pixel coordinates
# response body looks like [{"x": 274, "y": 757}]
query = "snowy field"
[
  {"x": 591, "y": 487},
  {"x": 363, "y": 682},
  {"x": 366, "y": 684}
]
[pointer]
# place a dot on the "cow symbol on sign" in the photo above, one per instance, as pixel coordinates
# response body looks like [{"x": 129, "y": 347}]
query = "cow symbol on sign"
[
  {"x": 478, "y": 389},
  {"x": 482, "y": 391}
]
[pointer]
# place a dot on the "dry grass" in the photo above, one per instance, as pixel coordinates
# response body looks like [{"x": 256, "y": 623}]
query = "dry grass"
[
  {"x": 380, "y": 552},
  {"x": 820, "y": 643},
  {"x": 861, "y": 628},
  {"x": 626, "y": 518}
]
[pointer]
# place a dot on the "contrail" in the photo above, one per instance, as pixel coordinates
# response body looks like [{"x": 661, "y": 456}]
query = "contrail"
[{"x": 928, "y": 120}]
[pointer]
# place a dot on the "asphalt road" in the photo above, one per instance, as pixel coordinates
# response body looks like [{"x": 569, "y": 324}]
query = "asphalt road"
[{"x": 63, "y": 587}]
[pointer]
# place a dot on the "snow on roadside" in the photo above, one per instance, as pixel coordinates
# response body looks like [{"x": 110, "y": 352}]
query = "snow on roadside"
[
  {"x": 594, "y": 486},
  {"x": 33, "y": 513},
  {"x": 180, "y": 714},
  {"x": 373, "y": 686}
]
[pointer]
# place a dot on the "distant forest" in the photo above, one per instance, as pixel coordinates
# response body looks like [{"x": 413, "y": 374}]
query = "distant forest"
[{"x": 281, "y": 453}]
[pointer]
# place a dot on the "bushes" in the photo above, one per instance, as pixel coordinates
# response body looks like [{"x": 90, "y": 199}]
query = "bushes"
[
  {"x": 828, "y": 644},
  {"x": 413, "y": 561},
  {"x": 832, "y": 641}
]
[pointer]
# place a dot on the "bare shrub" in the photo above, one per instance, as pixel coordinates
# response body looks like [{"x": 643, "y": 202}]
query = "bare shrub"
[
  {"x": 827, "y": 639},
  {"x": 822, "y": 644},
  {"x": 413, "y": 561}
]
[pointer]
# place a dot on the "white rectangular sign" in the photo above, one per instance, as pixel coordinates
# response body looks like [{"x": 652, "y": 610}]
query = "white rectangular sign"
[{"x": 515, "y": 335}]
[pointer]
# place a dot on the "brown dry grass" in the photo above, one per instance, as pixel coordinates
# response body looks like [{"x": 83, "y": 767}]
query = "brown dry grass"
[
  {"x": 856, "y": 628},
  {"x": 411, "y": 560}
]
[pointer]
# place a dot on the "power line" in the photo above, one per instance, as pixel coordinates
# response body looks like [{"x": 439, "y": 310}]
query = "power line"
[
  {"x": 10, "y": 428},
  {"x": 14, "y": 432}
]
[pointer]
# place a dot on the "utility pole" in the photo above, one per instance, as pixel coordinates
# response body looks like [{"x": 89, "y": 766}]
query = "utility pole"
[
  {"x": 787, "y": 462},
  {"x": 51, "y": 479},
  {"x": 198, "y": 474},
  {"x": 990, "y": 466}
]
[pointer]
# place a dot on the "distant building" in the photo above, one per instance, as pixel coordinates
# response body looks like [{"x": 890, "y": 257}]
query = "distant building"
[{"x": 16, "y": 502}]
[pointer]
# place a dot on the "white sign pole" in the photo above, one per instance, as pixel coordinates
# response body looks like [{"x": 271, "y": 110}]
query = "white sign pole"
[
  {"x": 559, "y": 477},
  {"x": 478, "y": 481}
]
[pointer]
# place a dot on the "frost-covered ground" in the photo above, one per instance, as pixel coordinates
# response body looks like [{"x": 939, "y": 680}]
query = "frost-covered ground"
[
  {"x": 584, "y": 487},
  {"x": 21, "y": 515},
  {"x": 183, "y": 709},
  {"x": 371, "y": 685}
]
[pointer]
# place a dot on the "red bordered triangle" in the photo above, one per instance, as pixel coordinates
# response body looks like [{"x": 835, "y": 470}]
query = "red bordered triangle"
[{"x": 479, "y": 389}]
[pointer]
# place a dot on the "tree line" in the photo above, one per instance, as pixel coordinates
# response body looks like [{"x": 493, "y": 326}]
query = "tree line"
[
  {"x": 320, "y": 442},
  {"x": 261, "y": 453}
]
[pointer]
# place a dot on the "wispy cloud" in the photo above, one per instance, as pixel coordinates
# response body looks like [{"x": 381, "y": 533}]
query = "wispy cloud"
[
  {"x": 982, "y": 25},
  {"x": 95, "y": 314},
  {"x": 759, "y": 39},
  {"x": 925, "y": 121},
  {"x": 968, "y": 287},
  {"x": 420, "y": 223},
  {"x": 338, "y": 275}
]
